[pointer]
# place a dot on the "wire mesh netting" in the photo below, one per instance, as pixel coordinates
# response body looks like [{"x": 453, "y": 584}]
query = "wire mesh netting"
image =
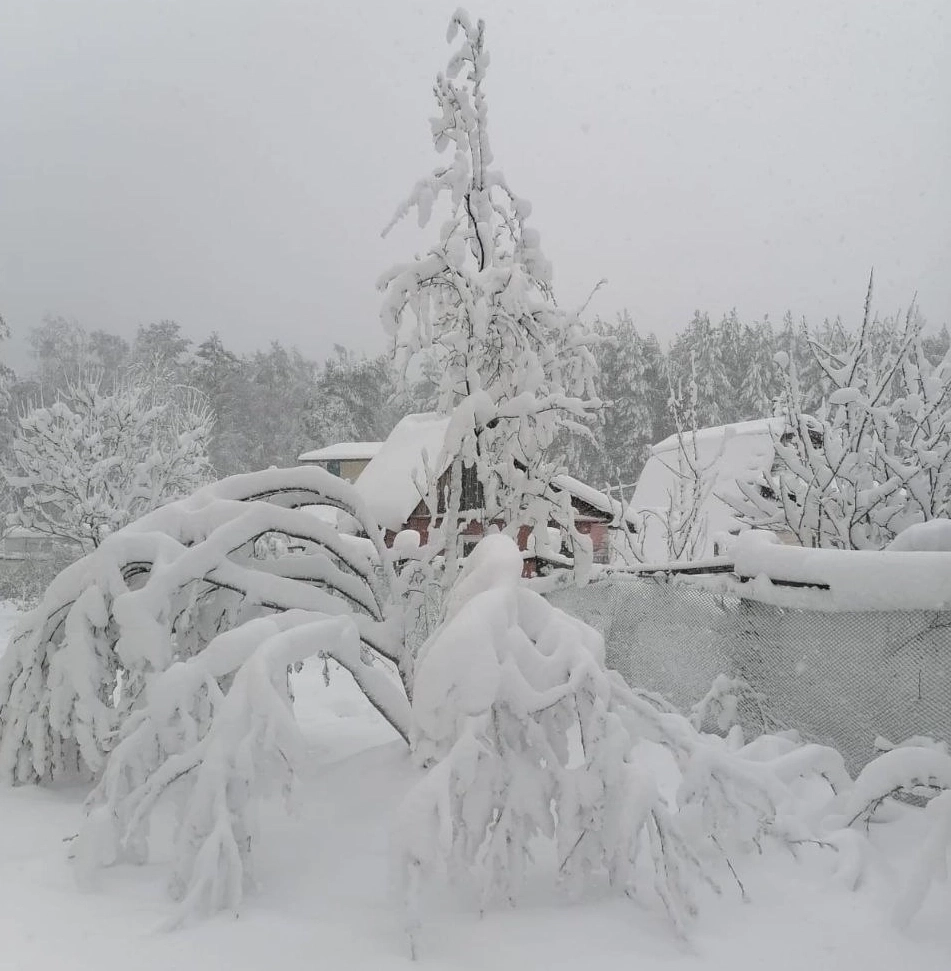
[{"x": 840, "y": 678}]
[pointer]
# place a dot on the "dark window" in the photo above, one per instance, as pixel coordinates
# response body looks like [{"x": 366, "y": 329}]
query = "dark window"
[
  {"x": 333, "y": 466},
  {"x": 472, "y": 495}
]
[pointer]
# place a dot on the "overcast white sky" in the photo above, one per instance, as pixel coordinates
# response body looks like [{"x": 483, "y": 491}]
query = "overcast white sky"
[{"x": 229, "y": 164}]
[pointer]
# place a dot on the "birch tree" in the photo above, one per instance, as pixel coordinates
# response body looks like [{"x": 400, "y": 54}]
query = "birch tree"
[{"x": 478, "y": 311}]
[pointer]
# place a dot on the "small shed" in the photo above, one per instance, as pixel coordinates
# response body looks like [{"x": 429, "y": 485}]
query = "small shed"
[{"x": 346, "y": 459}]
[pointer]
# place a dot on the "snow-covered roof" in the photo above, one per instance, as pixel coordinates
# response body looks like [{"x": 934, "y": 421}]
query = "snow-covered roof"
[
  {"x": 586, "y": 493},
  {"x": 743, "y": 451},
  {"x": 341, "y": 452},
  {"x": 389, "y": 482},
  {"x": 710, "y": 438}
]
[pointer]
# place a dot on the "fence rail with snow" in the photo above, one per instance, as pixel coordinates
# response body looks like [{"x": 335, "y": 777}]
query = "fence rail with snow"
[{"x": 843, "y": 646}]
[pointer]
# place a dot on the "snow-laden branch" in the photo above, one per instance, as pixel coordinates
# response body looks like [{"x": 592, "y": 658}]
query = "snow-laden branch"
[
  {"x": 875, "y": 458},
  {"x": 251, "y": 743},
  {"x": 903, "y": 769},
  {"x": 529, "y": 738},
  {"x": 163, "y": 588}
]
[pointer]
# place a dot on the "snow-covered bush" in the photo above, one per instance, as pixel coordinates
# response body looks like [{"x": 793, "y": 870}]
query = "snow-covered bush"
[
  {"x": 528, "y": 738},
  {"x": 876, "y": 457},
  {"x": 158, "y": 592},
  {"x": 156, "y": 665},
  {"x": 222, "y": 749},
  {"x": 95, "y": 460},
  {"x": 920, "y": 769},
  {"x": 477, "y": 314}
]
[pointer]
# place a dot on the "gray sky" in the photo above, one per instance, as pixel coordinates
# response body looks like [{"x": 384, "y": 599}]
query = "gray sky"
[{"x": 229, "y": 164}]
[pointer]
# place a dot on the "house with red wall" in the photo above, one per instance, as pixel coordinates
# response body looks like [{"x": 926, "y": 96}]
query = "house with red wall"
[{"x": 394, "y": 486}]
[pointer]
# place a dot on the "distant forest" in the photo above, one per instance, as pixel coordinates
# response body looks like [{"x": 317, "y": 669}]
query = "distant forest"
[{"x": 273, "y": 404}]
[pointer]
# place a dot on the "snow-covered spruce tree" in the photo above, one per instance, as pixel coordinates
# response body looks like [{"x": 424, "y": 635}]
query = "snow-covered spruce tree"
[
  {"x": 616, "y": 454},
  {"x": 97, "y": 459},
  {"x": 876, "y": 457},
  {"x": 477, "y": 312},
  {"x": 700, "y": 356},
  {"x": 758, "y": 382}
]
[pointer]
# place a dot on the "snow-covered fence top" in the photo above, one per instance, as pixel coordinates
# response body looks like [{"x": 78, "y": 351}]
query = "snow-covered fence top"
[
  {"x": 855, "y": 579},
  {"x": 843, "y": 646},
  {"x": 761, "y": 569}
]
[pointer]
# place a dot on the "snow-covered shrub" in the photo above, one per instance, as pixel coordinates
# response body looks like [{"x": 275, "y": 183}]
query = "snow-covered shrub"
[
  {"x": 918, "y": 768},
  {"x": 159, "y": 591},
  {"x": 527, "y": 737},
  {"x": 876, "y": 457},
  {"x": 219, "y": 728},
  {"x": 95, "y": 460},
  {"x": 723, "y": 704},
  {"x": 157, "y": 665},
  {"x": 904, "y": 769},
  {"x": 477, "y": 314}
]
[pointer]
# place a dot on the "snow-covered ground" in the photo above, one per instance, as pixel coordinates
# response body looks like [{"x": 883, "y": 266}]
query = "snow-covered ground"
[{"x": 325, "y": 897}]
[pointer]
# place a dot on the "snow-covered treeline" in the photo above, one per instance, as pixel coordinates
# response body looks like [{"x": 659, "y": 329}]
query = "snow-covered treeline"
[
  {"x": 268, "y": 406},
  {"x": 275, "y": 403}
]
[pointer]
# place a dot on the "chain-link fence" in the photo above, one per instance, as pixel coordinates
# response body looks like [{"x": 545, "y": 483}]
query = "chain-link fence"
[{"x": 841, "y": 678}]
